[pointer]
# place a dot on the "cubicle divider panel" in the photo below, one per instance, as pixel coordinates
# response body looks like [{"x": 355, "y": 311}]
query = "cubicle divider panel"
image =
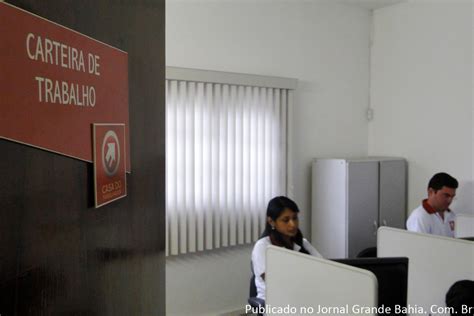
[
  {"x": 307, "y": 285},
  {"x": 435, "y": 263}
]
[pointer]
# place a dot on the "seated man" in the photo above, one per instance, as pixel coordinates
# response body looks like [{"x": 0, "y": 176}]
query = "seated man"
[{"x": 433, "y": 216}]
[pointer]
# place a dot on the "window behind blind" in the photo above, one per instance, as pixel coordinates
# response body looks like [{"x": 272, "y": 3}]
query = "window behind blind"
[{"x": 226, "y": 156}]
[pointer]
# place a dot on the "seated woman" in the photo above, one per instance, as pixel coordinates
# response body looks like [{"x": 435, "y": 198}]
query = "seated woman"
[{"x": 281, "y": 230}]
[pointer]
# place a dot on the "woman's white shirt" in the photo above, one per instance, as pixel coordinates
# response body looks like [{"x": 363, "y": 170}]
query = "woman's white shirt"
[{"x": 258, "y": 260}]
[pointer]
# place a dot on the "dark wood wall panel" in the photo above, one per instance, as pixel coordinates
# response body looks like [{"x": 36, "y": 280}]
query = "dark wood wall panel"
[{"x": 59, "y": 255}]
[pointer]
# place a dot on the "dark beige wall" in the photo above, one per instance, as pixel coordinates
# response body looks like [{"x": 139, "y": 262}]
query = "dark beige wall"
[{"x": 59, "y": 255}]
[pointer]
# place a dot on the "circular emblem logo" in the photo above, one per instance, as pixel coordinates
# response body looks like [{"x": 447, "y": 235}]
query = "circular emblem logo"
[{"x": 110, "y": 153}]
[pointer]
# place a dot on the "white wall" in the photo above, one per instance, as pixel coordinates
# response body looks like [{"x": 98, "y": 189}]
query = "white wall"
[
  {"x": 421, "y": 84},
  {"x": 208, "y": 283},
  {"x": 325, "y": 46}
]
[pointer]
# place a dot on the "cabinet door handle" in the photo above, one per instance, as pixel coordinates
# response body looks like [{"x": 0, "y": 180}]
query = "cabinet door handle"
[{"x": 375, "y": 227}]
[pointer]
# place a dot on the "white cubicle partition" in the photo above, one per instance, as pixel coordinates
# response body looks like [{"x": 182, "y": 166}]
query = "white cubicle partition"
[
  {"x": 435, "y": 263},
  {"x": 310, "y": 286},
  {"x": 464, "y": 225}
]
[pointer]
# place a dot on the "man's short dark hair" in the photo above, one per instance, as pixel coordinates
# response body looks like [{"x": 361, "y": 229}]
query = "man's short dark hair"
[
  {"x": 459, "y": 294},
  {"x": 442, "y": 179}
]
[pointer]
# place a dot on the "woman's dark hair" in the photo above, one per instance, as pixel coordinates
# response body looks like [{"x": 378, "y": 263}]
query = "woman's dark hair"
[{"x": 275, "y": 207}]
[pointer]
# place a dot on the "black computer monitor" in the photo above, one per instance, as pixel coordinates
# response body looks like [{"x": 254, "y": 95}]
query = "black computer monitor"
[{"x": 392, "y": 278}]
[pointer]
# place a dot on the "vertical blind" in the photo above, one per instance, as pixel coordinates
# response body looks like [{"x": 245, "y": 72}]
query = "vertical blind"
[{"x": 226, "y": 156}]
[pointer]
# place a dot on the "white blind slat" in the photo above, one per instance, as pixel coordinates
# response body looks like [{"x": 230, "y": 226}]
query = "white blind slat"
[
  {"x": 231, "y": 193},
  {"x": 207, "y": 141},
  {"x": 223, "y": 165},
  {"x": 180, "y": 165},
  {"x": 247, "y": 184},
  {"x": 239, "y": 170},
  {"x": 216, "y": 103},
  {"x": 190, "y": 208},
  {"x": 285, "y": 139},
  {"x": 171, "y": 186},
  {"x": 199, "y": 165},
  {"x": 254, "y": 162}
]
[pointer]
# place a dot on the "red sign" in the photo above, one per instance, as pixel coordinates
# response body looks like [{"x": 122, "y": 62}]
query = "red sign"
[
  {"x": 55, "y": 83},
  {"x": 109, "y": 163}
]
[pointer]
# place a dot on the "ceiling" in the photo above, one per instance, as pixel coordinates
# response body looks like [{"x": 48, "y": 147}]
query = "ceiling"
[{"x": 370, "y": 4}]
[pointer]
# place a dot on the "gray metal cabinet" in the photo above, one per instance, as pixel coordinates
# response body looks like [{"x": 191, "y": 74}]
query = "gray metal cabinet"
[
  {"x": 351, "y": 198},
  {"x": 392, "y": 193}
]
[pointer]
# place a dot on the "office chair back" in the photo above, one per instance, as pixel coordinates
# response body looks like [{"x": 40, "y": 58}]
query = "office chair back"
[
  {"x": 253, "y": 300},
  {"x": 253, "y": 288},
  {"x": 370, "y": 252}
]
